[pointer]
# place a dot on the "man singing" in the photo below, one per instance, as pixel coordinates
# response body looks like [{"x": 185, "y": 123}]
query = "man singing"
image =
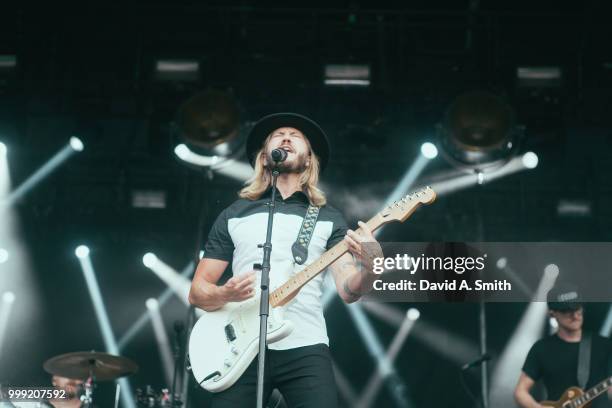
[{"x": 298, "y": 365}]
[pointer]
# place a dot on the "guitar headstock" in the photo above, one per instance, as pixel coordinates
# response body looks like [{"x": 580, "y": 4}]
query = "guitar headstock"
[{"x": 401, "y": 209}]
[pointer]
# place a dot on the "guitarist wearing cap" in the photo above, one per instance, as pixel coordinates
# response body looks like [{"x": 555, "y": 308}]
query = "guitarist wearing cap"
[
  {"x": 299, "y": 365},
  {"x": 556, "y": 359}
]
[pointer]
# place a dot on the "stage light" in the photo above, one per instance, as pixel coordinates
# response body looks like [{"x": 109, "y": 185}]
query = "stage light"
[
  {"x": 8, "y": 298},
  {"x": 527, "y": 332},
  {"x": 201, "y": 254},
  {"x": 375, "y": 348},
  {"x": 149, "y": 259},
  {"x": 76, "y": 144},
  {"x": 4, "y": 255},
  {"x": 161, "y": 338},
  {"x": 5, "y": 177},
  {"x": 344, "y": 386},
  {"x": 478, "y": 132},
  {"x": 177, "y": 70},
  {"x": 207, "y": 134},
  {"x": 502, "y": 264},
  {"x": 429, "y": 150},
  {"x": 413, "y": 314},
  {"x": 81, "y": 251},
  {"x": 551, "y": 271},
  {"x": 447, "y": 344},
  {"x": 144, "y": 318},
  {"x": 573, "y": 208},
  {"x": 104, "y": 324},
  {"x": 8, "y": 63},
  {"x": 180, "y": 285},
  {"x": 233, "y": 168},
  {"x": 149, "y": 199},
  {"x": 347, "y": 75},
  {"x": 182, "y": 151},
  {"x": 463, "y": 181},
  {"x": 606, "y": 327},
  {"x": 208, "y": 123},
  {"x": 371, "y": 390},
  {"x": 554, "y": 325},
  {"x": 44, "y": 171},
  {"x": 539, "y": 77},
  {"x": 152, "y": 303},
  {"x": 530, "y": 160}
]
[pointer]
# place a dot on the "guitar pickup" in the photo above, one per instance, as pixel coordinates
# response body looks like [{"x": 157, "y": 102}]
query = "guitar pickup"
[{"x": 230, "y": 333}]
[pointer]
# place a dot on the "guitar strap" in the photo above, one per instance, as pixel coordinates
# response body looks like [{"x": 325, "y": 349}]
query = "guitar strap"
[
  {"x": 300, "y": 246},
  {"x": 584, "y": 359}
]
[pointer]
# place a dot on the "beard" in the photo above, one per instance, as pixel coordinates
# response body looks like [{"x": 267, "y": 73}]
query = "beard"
[{"x": 295, "y": 165}]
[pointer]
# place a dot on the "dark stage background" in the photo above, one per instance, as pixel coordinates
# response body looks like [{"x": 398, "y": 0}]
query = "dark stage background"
[{"x": 88, "y": 70}]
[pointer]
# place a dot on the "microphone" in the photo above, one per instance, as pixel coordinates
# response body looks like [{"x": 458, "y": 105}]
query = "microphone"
[
  {"x": 477, "y": 362},
  {"x": 278, "y": 155}
]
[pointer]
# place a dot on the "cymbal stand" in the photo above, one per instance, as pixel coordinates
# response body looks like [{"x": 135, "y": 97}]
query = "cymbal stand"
[{"x": 87, "y": 398}]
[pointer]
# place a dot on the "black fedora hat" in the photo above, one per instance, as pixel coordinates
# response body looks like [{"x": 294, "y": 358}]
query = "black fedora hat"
[{"x": 268, "y": 124}]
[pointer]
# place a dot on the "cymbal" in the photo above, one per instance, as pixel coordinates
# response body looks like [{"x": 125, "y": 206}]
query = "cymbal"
[{"x": 79, "y": 365}]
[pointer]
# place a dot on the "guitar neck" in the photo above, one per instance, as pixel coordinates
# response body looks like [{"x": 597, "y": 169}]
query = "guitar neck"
[
  {"x": 399, "y": 210},
  {"x": 592, "y": 393},
  {"x": 289, "y": 289}
]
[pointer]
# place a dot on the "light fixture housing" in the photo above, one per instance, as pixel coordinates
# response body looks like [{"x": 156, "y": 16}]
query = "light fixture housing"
[
  {"x": 479, "y": 132},
  {"x": 207, "y": 129}
]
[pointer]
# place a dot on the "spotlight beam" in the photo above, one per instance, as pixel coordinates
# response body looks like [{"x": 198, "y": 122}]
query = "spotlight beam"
[
  {"x": 376, "y": 379},
  {"x": 161, "y": 337},
  {"x": 462, "y": 182},
  {"x": 232, "y": 168},
  {"x": 144, "y": 318},
  {"x": 528, "y": 330},
  {"x": 448, "y": 345},
  {"x": 180, "y": 285},
  {"x": 606, "y": 328},
  {"x": 411, "y": 175},
  {"x": 5, "y": 177},
  {"x": 507, "y": 269},
  {"x": 344, "y": 386},
  {"x": 8, "y": 298},
  {"x": 51, "y": 165},
  {"x": 104, "y": 323},
  {"x": 374, "y": 347}
]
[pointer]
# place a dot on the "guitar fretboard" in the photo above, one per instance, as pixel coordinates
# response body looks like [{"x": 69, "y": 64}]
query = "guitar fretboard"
[
  {"x": 399, "y": 210},
  {"x": 591, "y": 393}
]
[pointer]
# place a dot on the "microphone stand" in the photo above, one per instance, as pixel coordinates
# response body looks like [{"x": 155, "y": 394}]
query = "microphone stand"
[
  {"x": 178, "y": 330},
  {"x": 264, "y": 304}
]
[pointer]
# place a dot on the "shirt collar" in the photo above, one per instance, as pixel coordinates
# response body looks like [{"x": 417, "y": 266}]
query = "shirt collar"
[{"x": 297, "y": 196}]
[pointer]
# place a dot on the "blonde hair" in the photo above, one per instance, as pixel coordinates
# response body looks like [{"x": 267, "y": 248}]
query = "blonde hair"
[{"x": 261, "y": 179}]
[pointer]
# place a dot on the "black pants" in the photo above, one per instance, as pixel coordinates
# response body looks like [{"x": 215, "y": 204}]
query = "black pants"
[{"x": 303, "y": 375}]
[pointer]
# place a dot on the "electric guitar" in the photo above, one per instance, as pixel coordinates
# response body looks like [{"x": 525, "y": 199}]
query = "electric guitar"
[
  {"x": 224, "y": 342},
  {"x": 574, "y": 397}
]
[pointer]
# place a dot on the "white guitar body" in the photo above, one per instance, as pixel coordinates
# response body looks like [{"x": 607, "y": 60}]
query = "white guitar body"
[{"x": 223, "y": 343}]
